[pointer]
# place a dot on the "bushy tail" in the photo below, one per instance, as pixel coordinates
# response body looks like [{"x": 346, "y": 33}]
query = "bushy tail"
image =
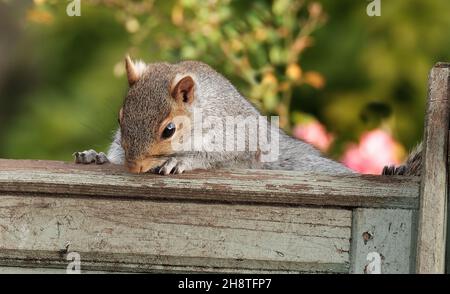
[{"x": 411, "y": 167}]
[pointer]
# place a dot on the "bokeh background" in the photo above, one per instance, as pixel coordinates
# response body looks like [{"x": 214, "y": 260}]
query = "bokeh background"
[{"x": 353, "y": 85}]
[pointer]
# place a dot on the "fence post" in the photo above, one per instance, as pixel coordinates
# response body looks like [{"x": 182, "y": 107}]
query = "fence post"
[{"x": 432, "y": 218}]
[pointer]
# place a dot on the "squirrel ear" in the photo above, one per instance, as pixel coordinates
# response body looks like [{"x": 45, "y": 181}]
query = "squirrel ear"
[
  {"x": 134, "y": 70},
  {"x": 131, "y": 71},
  {"x": 184, "y": 90}
]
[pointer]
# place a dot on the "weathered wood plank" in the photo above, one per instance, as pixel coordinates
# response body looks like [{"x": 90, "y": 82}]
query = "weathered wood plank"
[
  {"x": 385, "y": 234},
  {"x": 41, "y": 270},
  {"x": 141, "y": 235},
  {"x": 232, "y": 186},
  {"x": 433, "y": 194}
]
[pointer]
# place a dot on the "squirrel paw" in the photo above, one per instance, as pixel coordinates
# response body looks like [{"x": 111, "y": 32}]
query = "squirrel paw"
[
  {"x": 90, "y": 156},
  {"x": 172, "y": 166},
  {"x": 393, "y": 170}
]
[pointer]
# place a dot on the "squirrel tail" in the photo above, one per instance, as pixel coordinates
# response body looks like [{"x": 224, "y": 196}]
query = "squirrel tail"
[{"x": 411, "y": 167}]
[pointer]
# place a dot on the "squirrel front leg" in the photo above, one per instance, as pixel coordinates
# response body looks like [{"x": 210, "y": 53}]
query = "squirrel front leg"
[
  {"x": 180, "y": 163},
  {"x": 115, "y": 154}
]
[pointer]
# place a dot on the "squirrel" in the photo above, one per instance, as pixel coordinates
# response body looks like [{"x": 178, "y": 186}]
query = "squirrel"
[{"x": 161, "y": 93}]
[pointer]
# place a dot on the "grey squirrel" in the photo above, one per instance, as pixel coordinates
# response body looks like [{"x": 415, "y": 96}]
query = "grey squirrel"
[{"x": 160, "y": 93}]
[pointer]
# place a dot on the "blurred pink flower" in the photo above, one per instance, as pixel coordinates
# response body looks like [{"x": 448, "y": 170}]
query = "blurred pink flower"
[
  {"x": 375, "y": 150},
  {"x": 314, "y": 133}
]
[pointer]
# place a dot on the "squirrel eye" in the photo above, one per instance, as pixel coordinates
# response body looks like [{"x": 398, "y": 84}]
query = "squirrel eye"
[{"x": 168, "y": 131}]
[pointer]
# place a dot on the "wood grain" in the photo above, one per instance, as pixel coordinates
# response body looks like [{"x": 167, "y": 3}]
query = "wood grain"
[
  {"x": 387, "y": 232},
  {"x": 233, "y": 186},
  {"x": 432, "y": 221},
  {"x": 143, "y": 236}
]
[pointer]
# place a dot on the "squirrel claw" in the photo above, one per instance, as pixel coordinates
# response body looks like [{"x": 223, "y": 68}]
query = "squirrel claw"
[
  {"x": 90, "y": 156},
  {"x": 171, "y": 166}
]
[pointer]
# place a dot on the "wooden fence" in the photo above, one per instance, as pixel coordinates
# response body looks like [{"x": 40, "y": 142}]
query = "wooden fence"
[{"x": 229, "y": 221}]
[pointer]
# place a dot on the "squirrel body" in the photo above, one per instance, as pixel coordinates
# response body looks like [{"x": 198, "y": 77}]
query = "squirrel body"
[{"x": 160, "y": 110}]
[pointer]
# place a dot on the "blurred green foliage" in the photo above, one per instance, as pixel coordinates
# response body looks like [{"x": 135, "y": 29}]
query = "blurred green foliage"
[{"x": 62, "y": 78}]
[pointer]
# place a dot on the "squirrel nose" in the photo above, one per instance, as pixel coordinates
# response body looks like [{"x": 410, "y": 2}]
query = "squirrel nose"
[{"x": 134, "y": 167}]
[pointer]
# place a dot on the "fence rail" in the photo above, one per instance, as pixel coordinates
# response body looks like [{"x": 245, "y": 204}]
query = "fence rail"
[
  {"x": 233, "y": 221},
  {"x": 234, "y": 186}
]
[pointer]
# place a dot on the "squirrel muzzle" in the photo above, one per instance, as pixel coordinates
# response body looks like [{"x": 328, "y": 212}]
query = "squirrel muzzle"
[{"x": 144, "y": 165}]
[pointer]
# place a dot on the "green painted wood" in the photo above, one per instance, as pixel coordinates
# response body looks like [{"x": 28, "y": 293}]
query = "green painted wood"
[
  {"x": 160, "y": 236},
  {"x": 385, "y": 234}
]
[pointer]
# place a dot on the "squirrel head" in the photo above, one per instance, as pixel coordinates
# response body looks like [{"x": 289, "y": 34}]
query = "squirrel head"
[{"x": 157, "y": 95}]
